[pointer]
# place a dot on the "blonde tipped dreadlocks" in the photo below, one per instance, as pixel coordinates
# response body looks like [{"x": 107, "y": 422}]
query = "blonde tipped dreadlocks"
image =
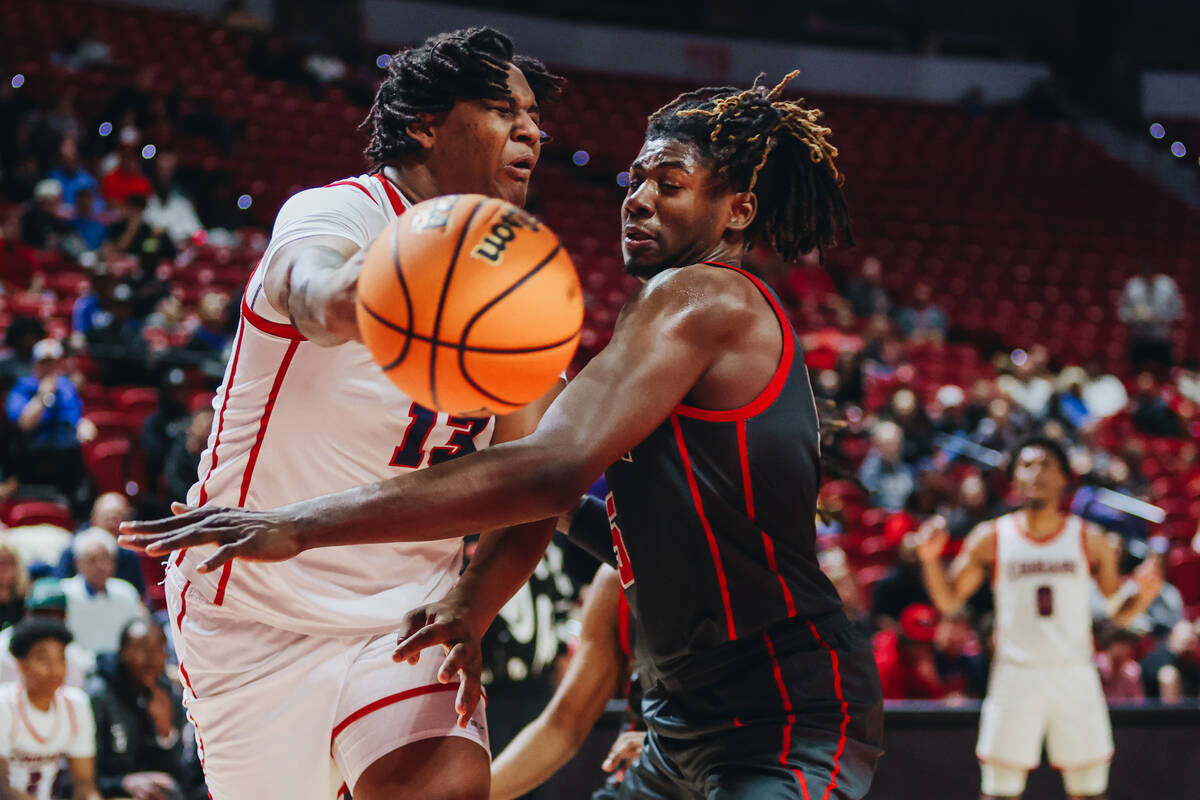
[{"x": 774, "y": 147}]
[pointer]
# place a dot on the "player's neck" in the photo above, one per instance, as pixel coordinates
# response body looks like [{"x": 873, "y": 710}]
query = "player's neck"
[
  {"x": 416, "y": 183},
  {"x": 1042, "y": 522},
  {"x": 42, "y": 701}
]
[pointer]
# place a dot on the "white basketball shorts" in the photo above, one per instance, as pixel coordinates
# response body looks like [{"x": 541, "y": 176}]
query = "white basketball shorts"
[{"x": 271, "y": 706}]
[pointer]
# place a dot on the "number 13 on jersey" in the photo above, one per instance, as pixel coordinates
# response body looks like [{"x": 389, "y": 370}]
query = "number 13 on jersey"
[{"x": 624, "y": 569}]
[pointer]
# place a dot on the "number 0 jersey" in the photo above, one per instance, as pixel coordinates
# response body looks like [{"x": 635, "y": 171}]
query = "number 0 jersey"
[
  {"x": 713, "y": 519},
  {"x": 1042, "y": 594},
  {"x": 294, "y": 420}
]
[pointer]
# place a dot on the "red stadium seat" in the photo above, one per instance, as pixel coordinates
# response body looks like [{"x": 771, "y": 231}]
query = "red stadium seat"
[
  {"x": 108, "y": 463},
  {"x": 40, "y": 513}
]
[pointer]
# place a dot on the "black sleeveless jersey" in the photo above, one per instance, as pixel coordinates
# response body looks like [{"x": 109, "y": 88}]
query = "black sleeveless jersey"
[{"x": 713, "y": 519}]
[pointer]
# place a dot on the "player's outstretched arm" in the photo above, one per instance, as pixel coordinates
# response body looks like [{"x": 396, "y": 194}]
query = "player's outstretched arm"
[
  {"x": 594, "y": 676},
  {"x": 663, "y": 343},
  {"x": 968, "y": 570}
]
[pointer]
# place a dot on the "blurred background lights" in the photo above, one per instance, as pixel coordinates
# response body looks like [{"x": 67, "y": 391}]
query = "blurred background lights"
[
  {"x": 18, "y": 81},
  {"x": 244, "y": 201},
  {"x": 580, "y": 157},
  {"x": 622, "y": 179},
  {"x": 1019, "y": 357},
  {"x": 383, "y": 61},
  {"x": 1178, "y": 150},
  {"x": 105, "y": 128},
  {"x": 1157, "y": 130},
  {"x": 148, "y": 151}
]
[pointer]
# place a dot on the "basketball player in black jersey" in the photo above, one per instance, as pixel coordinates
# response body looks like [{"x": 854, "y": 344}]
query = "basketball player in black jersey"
[{"x": 700, "y": 412}]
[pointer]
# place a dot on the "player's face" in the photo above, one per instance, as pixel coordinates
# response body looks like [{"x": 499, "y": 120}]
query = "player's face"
[
  {"x": 1038, "y": 477},
  {"x": 489, "y": 146},
  {"x": 675, "y": 209},
  {"x": 44, "y": 670}
]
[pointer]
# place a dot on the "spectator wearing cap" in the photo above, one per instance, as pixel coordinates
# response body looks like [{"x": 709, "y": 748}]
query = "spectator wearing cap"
[
  {"x": 46, "y": 600},
  {"x": 139, "y": 718},
  {"x": 41, "y": 225},
  {"x": 98, "y": 604},
  {"x": 883, "y": 472},
  {"x": 907, "y": 658},
  {"x": 108, "y": 512},
  {"x": 48, "y": 411}
]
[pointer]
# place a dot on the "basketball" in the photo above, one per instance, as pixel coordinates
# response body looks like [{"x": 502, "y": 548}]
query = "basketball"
[{"x": 470, "y": 305}]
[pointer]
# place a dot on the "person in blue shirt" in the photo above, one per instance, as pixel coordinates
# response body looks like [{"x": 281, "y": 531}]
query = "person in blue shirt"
[
  {"x": 90, "y": 230},
  {"x": 70, "y": 172},
  {"x": 48, "y": 413}
]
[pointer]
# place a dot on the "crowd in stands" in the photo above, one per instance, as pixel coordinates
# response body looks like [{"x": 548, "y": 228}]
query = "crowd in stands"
[{"x": 114, "y": 341}]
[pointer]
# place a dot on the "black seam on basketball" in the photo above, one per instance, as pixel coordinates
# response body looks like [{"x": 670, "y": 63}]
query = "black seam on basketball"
[
  {"x": 408, "y": 305},
  {"x": 462, "y": 345},
  {"x": 441, "y": 343},
  {"x": 437, "y": 320}
]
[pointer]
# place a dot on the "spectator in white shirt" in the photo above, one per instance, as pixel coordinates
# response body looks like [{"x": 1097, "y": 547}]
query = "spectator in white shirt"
[
  {"x": 98, "y": 605},
  {"x": 1150, "y": 304}
]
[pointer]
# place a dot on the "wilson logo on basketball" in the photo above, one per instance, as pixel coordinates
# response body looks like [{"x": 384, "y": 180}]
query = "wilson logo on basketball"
[{"x": 491, "y": 248}]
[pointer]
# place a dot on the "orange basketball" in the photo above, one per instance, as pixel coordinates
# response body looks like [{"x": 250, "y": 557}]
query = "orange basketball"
[{"x": 470, "y": 305}]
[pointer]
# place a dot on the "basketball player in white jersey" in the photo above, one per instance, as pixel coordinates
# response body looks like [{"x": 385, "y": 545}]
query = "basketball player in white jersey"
[
  {"x": 285, "y": 664},
  {"x": 44, "y": 723},
  {"x": 1044, "y": 686}
]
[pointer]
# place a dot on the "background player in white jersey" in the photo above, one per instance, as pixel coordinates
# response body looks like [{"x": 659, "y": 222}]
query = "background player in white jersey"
[
  {"x": 285, "y": 664},
  {"x": 43, "y": 722},
  {"x": 1044, "y": 686}
]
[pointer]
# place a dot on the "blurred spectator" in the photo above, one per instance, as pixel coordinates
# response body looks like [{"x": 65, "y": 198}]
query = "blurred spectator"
[
  {"x": 166, "y": 424},
  {"x": 824, "y": 347},
  {"x": 169, "y": 209},
  {"x": 14, "y": 585},
  {"x": 183, "y": 459},
  {"x": 1150, "y": 304},
  {"x": 1120, "y": 673},
  {"x": 46, "y": 601},
  {"x": 1171, "y": 671},
  {"x": 923, "y": 321},
  {"x": 883, "y": 472},
  {"x": 126, "y": 178},
  {"x": 866, "y": 294},
  {"x": 80, "y": 51},
  {"x": 33, "y": 713},
  {"x": 1167, "y": 607},
  {"x": 41, "y": 225},
  {"x": 84, "y": 223},
  {"x": 98, "y": 604},
  {"x": 1025, "y": 387},
  {"x": 974, "y": 505},
  {"x": 907, "y": 659},
  {"x": 902, "y": 587},
  {"x": 1103, "y": 394},
  {"x": 906, "y": 411},
  {"x": 133, "y": 234},
  {"x": 962, "y": 667},
  {"x": 49, "y": 413},
  {"x": 117, "y": 345},
  {"x": 1151, "y": 413},
  {"x": 833, "y": 562},
  {"x": 19, "y": 340},
  {"x": 18, "y": 261},
  {"x": 108, "y": 512},
  {"x": 69, "y": 171},
  {"x": 809, "y": 282},
  {"x": 209, "y": 342},
  {"x": 139, "y": 718},
  {"x": 90, "y": 309},
  {"x": 1070, "y": 405}
]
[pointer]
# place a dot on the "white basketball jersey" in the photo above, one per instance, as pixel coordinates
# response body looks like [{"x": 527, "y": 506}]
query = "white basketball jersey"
[
  {"x": 294, "y": 420},
  {"x": 1042, "y": 594},
  {"x": 35, "y": 742}
]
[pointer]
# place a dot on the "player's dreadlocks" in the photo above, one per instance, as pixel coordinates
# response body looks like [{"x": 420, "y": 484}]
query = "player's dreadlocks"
[
  {"x": 775, "y": 147},
  {"x": 460, "y": 65}
]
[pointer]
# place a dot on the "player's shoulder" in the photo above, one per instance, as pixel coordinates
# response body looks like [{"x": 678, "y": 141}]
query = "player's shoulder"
[
  {"x": 713, "y": 297},
  {"x": 348, "y": 193}
]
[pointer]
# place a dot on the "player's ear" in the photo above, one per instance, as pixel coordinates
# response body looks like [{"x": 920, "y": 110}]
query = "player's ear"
[
  {"x": 423, "y": 130},
  {"x": 743, "y": 206}
]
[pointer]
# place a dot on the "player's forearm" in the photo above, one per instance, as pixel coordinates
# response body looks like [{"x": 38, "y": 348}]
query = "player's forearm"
[
  {"x": 319, "y": 294},
  {"x": 502, "y": 486},
  {"x": 944, "y": 598},
  {"x": 538, "y": 751},
  {"x": 502, "y": 563}
]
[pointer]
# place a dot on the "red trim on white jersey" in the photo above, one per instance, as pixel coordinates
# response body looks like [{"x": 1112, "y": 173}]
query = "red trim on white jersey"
[
  {"x": 393, "y": 194},
  {"x": 358, "y": 186},
  {"x": 237, "y": 350},
  {"x": 384, "y": 702},
  {"x": 280, "y": 329}
]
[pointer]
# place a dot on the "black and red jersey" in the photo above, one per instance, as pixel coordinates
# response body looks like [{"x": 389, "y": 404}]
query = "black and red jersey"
[{"x": 713, "y": 519}]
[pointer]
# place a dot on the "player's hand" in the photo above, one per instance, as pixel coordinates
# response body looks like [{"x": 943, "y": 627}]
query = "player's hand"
[
  {"x": 1149, "y": 578},
  {"x": 252, "y": 535},
  {"x": 449, "y": 624},
  {"x": 149, "y": 786},
  {"x": 624, "y": 752},
  {"x": 932, "y": 537}
]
